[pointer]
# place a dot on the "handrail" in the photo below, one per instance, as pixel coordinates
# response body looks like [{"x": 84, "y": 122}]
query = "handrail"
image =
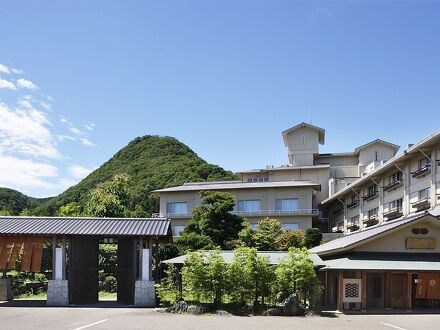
[{"x": 248, "y": 213}]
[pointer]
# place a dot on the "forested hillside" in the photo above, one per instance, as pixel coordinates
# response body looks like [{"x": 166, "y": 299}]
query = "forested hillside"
[{"x": 151, "y": 162}]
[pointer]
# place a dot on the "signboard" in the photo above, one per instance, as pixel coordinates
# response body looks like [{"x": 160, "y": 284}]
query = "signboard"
[{"x": 421, "y": 243}]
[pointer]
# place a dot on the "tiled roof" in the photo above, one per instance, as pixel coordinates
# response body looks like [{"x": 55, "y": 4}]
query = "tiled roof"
[
  {"x": 85, "y": 226},
  {"x": 274, "y": 257},
  {"x": 365, "y": 234}
]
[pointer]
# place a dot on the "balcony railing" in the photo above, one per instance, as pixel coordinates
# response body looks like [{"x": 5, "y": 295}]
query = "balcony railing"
[
  {"x": 313, "y": 212},
  {"x": 338, "y": 211},
  {"x": 339, "y": 228},
  {"x": 370, "y": 195},
  {"x": 421, "y": 171},
  {"x": 352, "y": 226},
  {"x": 393, "y": 185},
  {"x": 172, "y": 215},
  {"x": 393, "y": 213},
  {"x": 371, "y": 220},
  {"x": 352, "y": 204},
  {"x": 421, "y": 204}
]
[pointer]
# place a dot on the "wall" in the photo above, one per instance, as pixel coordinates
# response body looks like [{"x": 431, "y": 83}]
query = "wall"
[
  {"x": 301, "y": 154},
  {"x": 368, "y": 154}
]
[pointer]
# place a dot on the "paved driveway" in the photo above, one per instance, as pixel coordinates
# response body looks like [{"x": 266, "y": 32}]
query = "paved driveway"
[{"x": 133, "y": 318}]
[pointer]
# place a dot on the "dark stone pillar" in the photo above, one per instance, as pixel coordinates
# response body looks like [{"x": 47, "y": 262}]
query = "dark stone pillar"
[
  {"x": 127, "y": 272},
  {"x": 83, "y": 270}
]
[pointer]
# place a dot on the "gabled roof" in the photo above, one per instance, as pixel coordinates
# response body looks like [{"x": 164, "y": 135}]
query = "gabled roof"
[
  {"x": 377, "y": 141},
  {"x": 363, "y": 236},
  {"x": 48, "y": 226},
  {"x": 320, "y": 130}
]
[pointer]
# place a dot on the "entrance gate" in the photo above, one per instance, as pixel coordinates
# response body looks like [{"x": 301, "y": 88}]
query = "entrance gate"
[{"x": 79, "y": 283}]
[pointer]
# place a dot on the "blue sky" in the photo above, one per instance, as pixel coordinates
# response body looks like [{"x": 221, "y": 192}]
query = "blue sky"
[{"x": 224, "y": 77}]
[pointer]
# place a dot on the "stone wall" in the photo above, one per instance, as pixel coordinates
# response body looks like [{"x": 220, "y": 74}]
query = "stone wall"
[
  {"x": 5, "y": 289},
  {"x": 58, "y": 293},
  {"x": 145, "y": 294}
]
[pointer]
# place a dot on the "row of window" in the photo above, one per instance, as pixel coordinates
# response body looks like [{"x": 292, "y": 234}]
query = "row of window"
[
  {"x": 178, "y": 229},
  {"x": 251, "y": 205},
  {"x": 258, "y": 179}
]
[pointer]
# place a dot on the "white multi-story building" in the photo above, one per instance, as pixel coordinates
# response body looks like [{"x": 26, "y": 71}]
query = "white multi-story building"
[{"x": 336, "y": 192}]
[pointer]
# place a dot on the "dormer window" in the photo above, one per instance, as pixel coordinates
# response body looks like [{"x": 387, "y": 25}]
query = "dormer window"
[{"x": 376, "y": 156}]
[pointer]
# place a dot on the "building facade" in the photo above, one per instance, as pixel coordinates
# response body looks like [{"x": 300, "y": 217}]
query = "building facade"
[
  {"x": 305, "y": 193},
  {"x": 404, "y": 185}
]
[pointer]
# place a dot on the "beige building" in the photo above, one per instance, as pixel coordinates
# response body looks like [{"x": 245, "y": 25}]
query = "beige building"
[
  {"x": 308, "y": 191},
  {"x": 405, "y": 184}
]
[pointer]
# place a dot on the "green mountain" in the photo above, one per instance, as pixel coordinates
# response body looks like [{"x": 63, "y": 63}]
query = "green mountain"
[
  {"x": 13, "y": 202},
  {"x": 152, "y": 162}
]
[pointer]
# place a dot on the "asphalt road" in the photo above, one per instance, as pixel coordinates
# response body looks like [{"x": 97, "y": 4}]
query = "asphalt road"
[{"x": 134, "y": 318}]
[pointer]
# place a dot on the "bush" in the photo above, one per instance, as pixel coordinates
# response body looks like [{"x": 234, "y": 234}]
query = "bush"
[
  {"x": 289, "y": 239},
  {"x": 109, "y": 284},
  {"x": 312, "y": 237}
]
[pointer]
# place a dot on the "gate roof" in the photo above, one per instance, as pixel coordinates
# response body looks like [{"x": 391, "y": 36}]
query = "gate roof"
[{"x": 48, "y": 226}]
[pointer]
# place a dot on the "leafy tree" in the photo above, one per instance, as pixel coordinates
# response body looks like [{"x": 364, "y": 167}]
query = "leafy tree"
[
  {"x": 70, "y": 210},
  {"x": 289, "y": 239},
  {"x": 168, "y": 288},
  {"x": 213, "y": 220},
  {"x": 5, "y": 213},
  {"x": 250, "y": 277},
  {"x": 296, "y": 273},
  {"x": 138, "y": 212},
  {"x": 312, "y": 237},
  {"x": 193, "y": 241},
  {"x": 263, "y": 238},
  {"x": 110, "y": 199},
  {"x": 205, "y": 276}
]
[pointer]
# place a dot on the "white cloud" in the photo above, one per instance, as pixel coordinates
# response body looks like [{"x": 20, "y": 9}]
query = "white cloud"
[
  {"x": 86, "y": 142},
  {"x": 75, "y": 130},
  {"x": 16, "y": 71},
  {"x": 23, "y": 83},
  {"x": 89, "y": 127},
  {"x": 63, "y": 138},
  {"x": 25, "y": 130},
  {"x": 79, "y": 172},
  {"x": 6, "y": 84},
  {"x": 4, "y": 69},
  {"x": 23, "y": 174}
]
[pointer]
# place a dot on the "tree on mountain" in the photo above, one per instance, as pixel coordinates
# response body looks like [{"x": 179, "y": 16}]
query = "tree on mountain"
[
  {"x": 212, "y": 222},
  {"x": 70, "y": 210},
  {"x": 110, "y": 199}
]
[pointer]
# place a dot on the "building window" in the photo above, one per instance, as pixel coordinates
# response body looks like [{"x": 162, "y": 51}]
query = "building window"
[
  {"x": 425, "y": 193},
  {"x": 376, "y": 156},
  {"x": 258, "y": 179},
  {"x": 177, "y": 230},
  {"x": 252, "y": 205},
  {"x": 290, "y": 226},
  {"x": 397, "y": 176},
  {"x": 286, "y": 204},
  {"x": 373, "y": 212},
  {"x": 303, "y": 139},
  {"x": 397, "y": 204},
  {"x": 424, "y": 162},
  {"x": 355, "y": 219},
  {"x": 177, "y": 208},
  {"x": 373, "y": 189}
]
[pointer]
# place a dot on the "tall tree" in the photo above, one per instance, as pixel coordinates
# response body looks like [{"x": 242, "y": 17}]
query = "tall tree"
[
  {"x": 213, "y": 219},
  {"x": 70, "y": 210},
  {"x": 110, "y": 199}
]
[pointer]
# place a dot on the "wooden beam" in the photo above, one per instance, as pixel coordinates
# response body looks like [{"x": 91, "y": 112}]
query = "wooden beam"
[
  {"x": 340, "y": 291},
  {"x": 6, "y": 252},
  {"x": 14, "y": 254},
  {"x": 387, "y": 290},
  {"x": 37, "y": 254},
  {"x": 408, "y": 300},
  {"x": 27, "y": 255},
  {"x": 364, "y": 291}
]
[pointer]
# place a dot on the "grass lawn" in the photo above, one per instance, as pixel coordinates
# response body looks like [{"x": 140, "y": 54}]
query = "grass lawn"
[
  {"x": 108, "y": 296},
  {"x": 38, "y": 296}
]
